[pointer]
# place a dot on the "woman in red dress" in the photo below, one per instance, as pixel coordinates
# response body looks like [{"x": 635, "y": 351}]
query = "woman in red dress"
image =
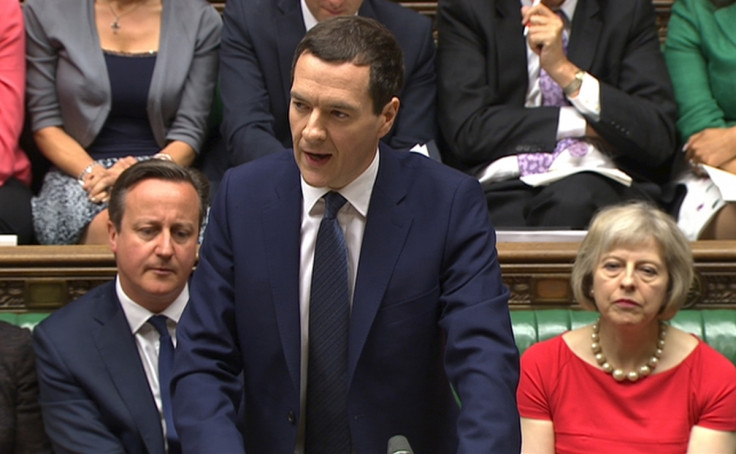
[{"x": 630, "y": 382}]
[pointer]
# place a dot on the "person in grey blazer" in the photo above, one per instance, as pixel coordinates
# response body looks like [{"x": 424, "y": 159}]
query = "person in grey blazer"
[{"x": 109, "y": 83}]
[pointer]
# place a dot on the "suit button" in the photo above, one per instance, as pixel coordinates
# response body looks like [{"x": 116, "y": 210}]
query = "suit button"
[{"x": 291, "y": 417}]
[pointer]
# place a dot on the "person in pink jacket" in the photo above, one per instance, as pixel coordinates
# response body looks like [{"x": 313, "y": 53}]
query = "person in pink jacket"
[{"x": 15, "y": 168}]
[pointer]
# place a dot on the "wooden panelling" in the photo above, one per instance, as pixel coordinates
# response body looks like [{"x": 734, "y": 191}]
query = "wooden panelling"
[{"x": 40, "y": 278}]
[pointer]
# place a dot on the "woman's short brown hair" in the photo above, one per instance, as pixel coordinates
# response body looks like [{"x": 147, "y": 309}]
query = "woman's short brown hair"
[{"x": 632, "y": 224}]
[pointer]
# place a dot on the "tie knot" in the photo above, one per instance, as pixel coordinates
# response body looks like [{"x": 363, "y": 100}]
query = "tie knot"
[
  {"x": 333, "y": 202},
  {"x": 159, "y": 322}
]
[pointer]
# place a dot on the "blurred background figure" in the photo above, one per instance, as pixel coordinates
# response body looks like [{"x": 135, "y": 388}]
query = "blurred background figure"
[
  {"x": 558, "y": 107},
  {"x": 15, "y": 168},
  {"x": 111, "y": 82},
  {"x": 701, "y": 55},
  {"x": 648, "y": 386},
  {"x": 258, "y": 43},
  {"x": 21, "y": 425}
]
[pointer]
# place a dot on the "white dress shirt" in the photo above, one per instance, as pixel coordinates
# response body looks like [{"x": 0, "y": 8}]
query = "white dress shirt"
[
  {"x": 309, "y": 19},
  {"x": 147, "y": 338},
  {"x": 352, "y": 219}
]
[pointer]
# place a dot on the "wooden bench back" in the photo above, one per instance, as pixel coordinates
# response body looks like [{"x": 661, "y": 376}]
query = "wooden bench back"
[{"x": 42, "y": 278}]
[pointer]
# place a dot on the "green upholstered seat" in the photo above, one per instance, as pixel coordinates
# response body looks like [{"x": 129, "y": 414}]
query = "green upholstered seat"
[
  {"x": 717, "y": 327},
  {"x": 24, "y": 319}
]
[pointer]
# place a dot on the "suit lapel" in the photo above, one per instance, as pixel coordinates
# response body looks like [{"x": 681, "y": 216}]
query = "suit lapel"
[
  {"x": 281, "y": 222},
  {"x": 367, "y": 10},
  {"x": 385, "y": 233},
  {"x": 511, "y": 47},
  {"x": 586, "y": 29},
  {"x": 119, "y": 353},
  {"x": 290, "y": 30}
]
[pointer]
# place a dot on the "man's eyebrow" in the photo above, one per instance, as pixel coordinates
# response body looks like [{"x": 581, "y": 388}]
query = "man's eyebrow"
[
  {"x": 331, "y": 104},
  {"x": 185, "y": 224},
  {"x": 342, "y": 106}
]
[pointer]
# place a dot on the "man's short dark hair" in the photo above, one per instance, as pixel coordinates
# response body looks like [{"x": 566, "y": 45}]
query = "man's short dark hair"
[
  {"x": 363, "y": 42},
  {"x": 156, "y": 169}
]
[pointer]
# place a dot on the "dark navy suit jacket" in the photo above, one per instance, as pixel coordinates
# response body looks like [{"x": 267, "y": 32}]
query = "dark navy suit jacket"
[
  {"x": 258, "y": 43},
  {"x": 429, "y": 310},
  {"x": 93, "y": 390}
]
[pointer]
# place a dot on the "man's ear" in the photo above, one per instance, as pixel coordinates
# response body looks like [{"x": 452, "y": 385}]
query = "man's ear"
[
  {"x": 388, "y": 116},
  {"x": 112, "y": 235}
]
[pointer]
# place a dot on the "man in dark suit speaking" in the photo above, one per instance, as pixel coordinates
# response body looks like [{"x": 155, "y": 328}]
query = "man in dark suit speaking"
[{"x": 344, "y": 289}]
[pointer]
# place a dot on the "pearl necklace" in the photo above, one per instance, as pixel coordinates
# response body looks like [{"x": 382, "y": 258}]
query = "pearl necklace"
[{"x": 618, "y": 374}]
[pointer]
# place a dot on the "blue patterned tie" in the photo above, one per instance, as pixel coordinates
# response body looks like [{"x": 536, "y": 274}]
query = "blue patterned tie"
[
  {"x": 165, "y": 367},
  {"x": 329, "y": 313}
]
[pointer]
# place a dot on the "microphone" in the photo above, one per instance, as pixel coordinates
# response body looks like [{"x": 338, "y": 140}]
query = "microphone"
[{"x": 398, "y": 444}]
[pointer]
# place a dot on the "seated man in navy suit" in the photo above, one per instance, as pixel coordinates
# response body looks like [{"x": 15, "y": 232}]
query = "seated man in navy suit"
[
  {"x": 101, "y": 387},
  {"x": 258, "y": 42},
  {"x": 345, "y": 288}
]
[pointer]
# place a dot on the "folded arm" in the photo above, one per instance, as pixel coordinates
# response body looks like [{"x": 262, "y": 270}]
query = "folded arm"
[
  {"x": 702, "y": 123},
  {"x": 416, "y": 122},
  {"x": 248, "y": 124},
  {"x": 189, "y": 128}
]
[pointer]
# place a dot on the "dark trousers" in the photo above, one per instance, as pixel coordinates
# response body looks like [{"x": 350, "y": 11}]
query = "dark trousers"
[
  {"x": 569, "y": 203},
  {"x": 15, "y": 211}
]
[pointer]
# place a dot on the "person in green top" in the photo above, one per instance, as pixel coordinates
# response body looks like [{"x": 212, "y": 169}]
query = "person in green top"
[{"x": 700, "y": 52}]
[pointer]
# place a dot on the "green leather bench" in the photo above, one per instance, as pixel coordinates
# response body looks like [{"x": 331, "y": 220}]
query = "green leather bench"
[
  {"x": 717, "y": 327},
  {"x": 24, "y": 319}
]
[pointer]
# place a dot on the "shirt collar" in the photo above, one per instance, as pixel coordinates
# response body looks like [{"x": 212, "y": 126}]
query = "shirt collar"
[
  {"x": 309, "y": 19},
  {"x": 567, "y": 7},
  {"x": 357, "y": 193},
  {"x": 138, "y": 315}
]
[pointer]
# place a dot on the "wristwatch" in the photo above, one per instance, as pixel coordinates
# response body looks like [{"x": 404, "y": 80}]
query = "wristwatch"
[{"x": 574, "y": 86}]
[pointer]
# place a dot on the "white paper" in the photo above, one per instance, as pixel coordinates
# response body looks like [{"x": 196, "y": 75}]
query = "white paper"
[
  {"x": 726, "y": 182},
  {"x": 8, "y": 240},
  {"x": 421, "y": 149},
  {"x": 543, "y": 179},
  {"x": 528, "y": 236}
]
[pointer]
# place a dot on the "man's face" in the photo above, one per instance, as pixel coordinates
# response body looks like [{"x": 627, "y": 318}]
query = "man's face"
[
  {"x": 156, "y": 245},
  {"x": 333, "y": 125},
  {"x": 324, "y": 9}
]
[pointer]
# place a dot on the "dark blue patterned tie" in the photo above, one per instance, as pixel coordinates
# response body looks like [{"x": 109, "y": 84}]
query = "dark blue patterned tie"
[
  {"x": 165, "y": 367},
  {"x": 329, "y": 313}
]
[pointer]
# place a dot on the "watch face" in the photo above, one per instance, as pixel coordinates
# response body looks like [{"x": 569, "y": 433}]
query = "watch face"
[{"x": 574, "y": 86}]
